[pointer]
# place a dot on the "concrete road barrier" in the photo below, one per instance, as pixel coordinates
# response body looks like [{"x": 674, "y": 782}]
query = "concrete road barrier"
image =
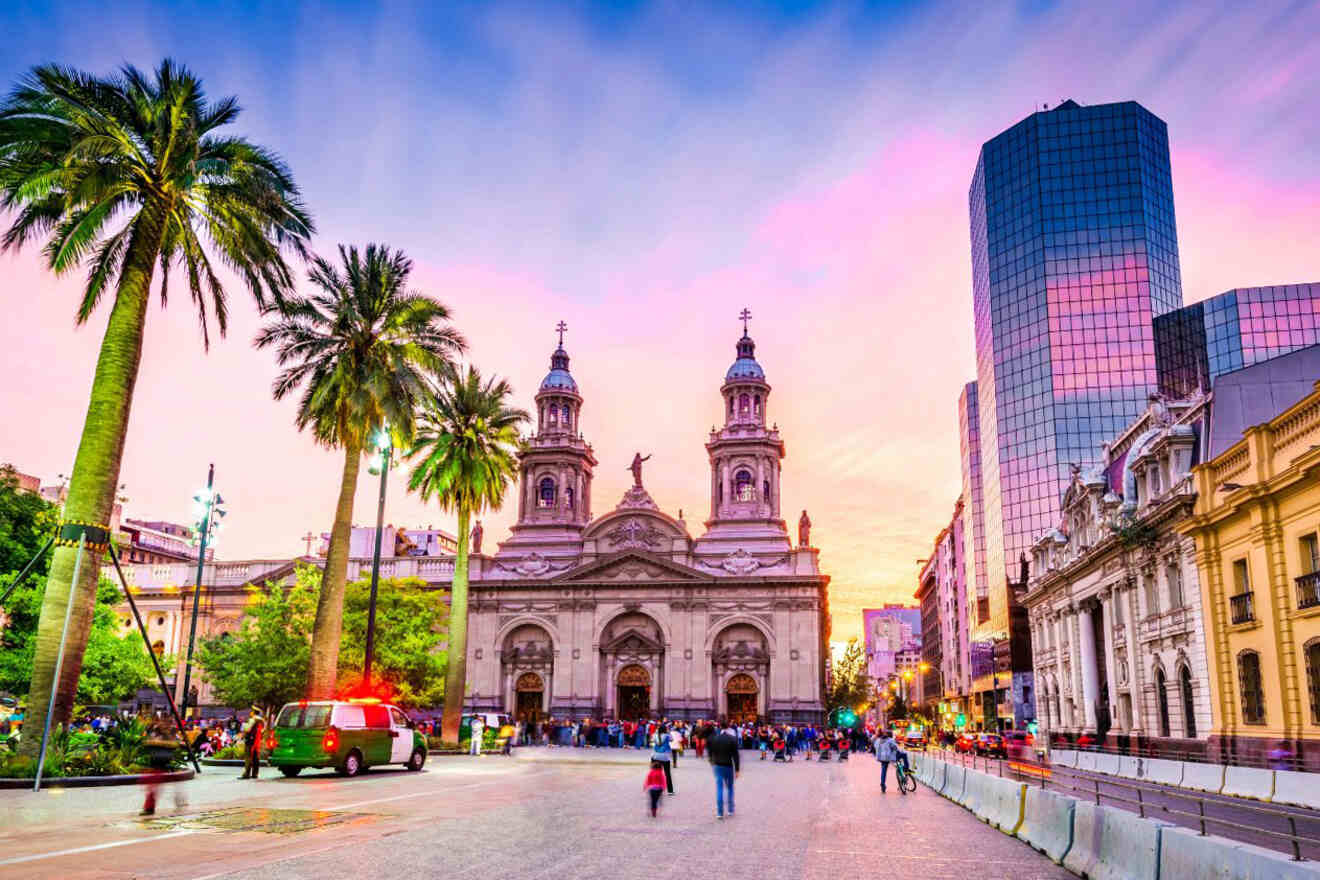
[
  {"x": 975, "y": 789},
  {"x": 1249, "y": 782},
  {"x": 1162, "y": 771},
  {"x": 1001, "y": 804},
  {"x": 955, "y": 777},
  {"x": 1203, "y": 777},
  {"x": 1185, "y": 853},
  {"x": 1085, "y": 761},
  {"x": 1297, "y": 788},
  {"x": 1063, "y": 757},
  {"x": 1113, "y": 844},
  {"x": 937, "y": 775},
  {"x": 1047, "y": 822},
  {"x": 1129, "y": 767},
  {"x": 1105, "y": 763}
]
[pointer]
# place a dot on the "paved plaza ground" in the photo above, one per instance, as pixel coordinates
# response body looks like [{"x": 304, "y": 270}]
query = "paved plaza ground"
[{"x": 557, "y": 813}]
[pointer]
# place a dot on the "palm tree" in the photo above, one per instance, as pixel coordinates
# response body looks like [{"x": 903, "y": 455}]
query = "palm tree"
[
  {"x": 468, "y": 438},
  {"x": 362, "y": 347},
  {"x": 121, "y": 175}
]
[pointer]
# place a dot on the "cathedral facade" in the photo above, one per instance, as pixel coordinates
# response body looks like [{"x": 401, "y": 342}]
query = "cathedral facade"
[{"x": 626, "y": 614}]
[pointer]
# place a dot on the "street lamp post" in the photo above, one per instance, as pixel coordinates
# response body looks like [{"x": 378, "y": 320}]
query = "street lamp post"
[
  {"x": 206, "y": 511},
  {"x": 382, "y": 463}
]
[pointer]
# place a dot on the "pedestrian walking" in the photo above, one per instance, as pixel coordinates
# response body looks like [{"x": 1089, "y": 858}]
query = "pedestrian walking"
[
  {"x": 723, "y": 751},
  {"x": 476, "y": 729},
  {"x": 655, "y": 784},
  {"x": 253, "y": 729},
  {"x": 663, "y": 754}
]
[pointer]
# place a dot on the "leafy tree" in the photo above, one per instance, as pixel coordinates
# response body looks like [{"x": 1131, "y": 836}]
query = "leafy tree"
[
  {"x": 849, "y": 685},
  {"x": 410, "y": 624},
  {"x": 122, "y": 175},
  {"x": 115, "y": 665},
  {"x": 265, "y": 662},
  {"x": 361, "y": 348},
  {"x": 468, "y": 441},
  {"x": 26, "y": 520}
]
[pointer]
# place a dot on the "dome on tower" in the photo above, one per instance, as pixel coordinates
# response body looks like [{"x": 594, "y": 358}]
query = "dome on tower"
[
  {"x": 745, "y": 367},
  {"x": 559, "y": 378}
]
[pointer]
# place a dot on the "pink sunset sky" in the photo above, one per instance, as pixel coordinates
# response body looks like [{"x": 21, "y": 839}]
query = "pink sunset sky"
[{"x": 644, "y": 177}]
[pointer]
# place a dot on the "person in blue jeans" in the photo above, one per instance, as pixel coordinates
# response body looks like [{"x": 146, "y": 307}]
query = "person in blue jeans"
[{"x": 723, "y": 751}]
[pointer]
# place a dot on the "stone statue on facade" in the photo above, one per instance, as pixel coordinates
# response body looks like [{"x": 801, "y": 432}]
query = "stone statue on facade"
[
  {"x": 636, "y": 468},
  {"x": 804, "y": 530},
  {"x": 477, "y": 533}
]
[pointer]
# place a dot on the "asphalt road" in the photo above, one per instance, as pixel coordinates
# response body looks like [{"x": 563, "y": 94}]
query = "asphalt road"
[
  {"x": 1242, "y": 819},
  {"x": 567, "y": 813}
]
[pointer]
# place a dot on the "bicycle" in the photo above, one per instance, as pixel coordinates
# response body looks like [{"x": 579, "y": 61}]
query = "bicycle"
[{"x": 906, "y": 781}]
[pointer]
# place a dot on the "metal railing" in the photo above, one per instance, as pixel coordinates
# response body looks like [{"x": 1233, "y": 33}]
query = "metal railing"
[
  {"x": 1137, "y": 795},
  {"x": 1308, "y": 590},
  {"x": 1157, "y": 748},
  {"x": 1241, "y": 607}
]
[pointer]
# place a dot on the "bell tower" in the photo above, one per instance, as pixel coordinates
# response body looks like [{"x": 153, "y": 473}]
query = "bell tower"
[
  {"x": 745, "y": 455},
  {"x": 556, "y": 463}
]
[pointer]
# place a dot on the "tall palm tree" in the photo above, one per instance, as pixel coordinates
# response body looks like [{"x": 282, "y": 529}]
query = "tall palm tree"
[
  {"x": 121, "y": 175},
  {"x": 467, "y": 437},
  {"x": 362, "y": 347}
]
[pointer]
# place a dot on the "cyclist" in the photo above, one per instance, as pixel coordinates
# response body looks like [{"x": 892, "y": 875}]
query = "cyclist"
[{"x": 886, "y": 751}]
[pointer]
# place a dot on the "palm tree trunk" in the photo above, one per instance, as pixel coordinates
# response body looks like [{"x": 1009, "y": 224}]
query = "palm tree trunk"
[
  {"x": 324, "y": 662},
  {"x": 93, "y": 482},
  {"x": 456, "y": 671}
]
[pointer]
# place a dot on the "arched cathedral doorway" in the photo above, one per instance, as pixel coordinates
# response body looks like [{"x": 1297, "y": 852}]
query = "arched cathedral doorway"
[
  {"x": 527, "y": 663},
  {"x": 741, "y": 693},
  {"x": 740, "y": 659},
  {"x": 530, "y": 690},
  {"x": 634, "y": 697}
]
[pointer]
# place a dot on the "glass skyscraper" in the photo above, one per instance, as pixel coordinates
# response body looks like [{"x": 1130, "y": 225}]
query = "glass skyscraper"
[
  {"x": 1074, "y": 253},
  {"x": 973, "y": 528},
  {"x": 1236, "y": 329}
]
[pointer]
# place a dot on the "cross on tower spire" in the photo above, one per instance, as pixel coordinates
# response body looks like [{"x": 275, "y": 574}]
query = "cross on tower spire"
[
  {"x": 746, "y": 316},
  {"x": 561, "y": 327}
]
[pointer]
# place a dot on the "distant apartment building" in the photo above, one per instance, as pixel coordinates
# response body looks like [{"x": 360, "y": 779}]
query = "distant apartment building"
[
  {"x": 886, "y": 631},
  {"x": 397, "y": 541}
]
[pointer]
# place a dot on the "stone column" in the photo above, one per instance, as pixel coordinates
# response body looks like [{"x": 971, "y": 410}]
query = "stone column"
[
  {"x": 1127, "y": 593},
  {"x": 760, "y": 481},
  {"x": 1111, "y": 670},
  {"x": 1086, "y": 660}
]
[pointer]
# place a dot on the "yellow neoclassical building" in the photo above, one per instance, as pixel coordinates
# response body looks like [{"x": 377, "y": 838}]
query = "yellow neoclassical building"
[{"x": 1257, "y": 527}]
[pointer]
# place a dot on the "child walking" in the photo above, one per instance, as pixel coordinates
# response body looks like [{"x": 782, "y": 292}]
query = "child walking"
[{"x": 655, "y": 785}]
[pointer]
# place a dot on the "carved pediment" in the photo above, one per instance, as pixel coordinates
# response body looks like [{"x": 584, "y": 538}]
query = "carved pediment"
[
  {"x": 632, "y": 565},
  {"x": 632, "y": 641},
  {"x": 533, "y": 565}
]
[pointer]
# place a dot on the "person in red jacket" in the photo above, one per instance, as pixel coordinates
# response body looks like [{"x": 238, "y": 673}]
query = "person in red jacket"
[{"x": 655, "y": 785}]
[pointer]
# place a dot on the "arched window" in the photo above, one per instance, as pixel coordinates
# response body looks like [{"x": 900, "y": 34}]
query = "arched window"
[
  {"x": 1312, "y": 650},
  {"x": 744, "y": 487},
  {"x": 1188, "y": 701},
  {"x": 730, "y": 404},
  {"x": 765, "y": 491},
  {"x": 568, "y": 497},
  {"x": 545, "y": 496},
  {"x": 1162, "y": 701},
  {"x": 568, "y": 417},
  {"x": 554, "y": 414},
  {"x": 1253, "y": 697},
  {"x": 744, "y": 405},
  {"x": 756, "y": 406}
]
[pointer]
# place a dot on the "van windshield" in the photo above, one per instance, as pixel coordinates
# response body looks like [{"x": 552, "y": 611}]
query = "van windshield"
[{"x": 304, "y": 716}]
